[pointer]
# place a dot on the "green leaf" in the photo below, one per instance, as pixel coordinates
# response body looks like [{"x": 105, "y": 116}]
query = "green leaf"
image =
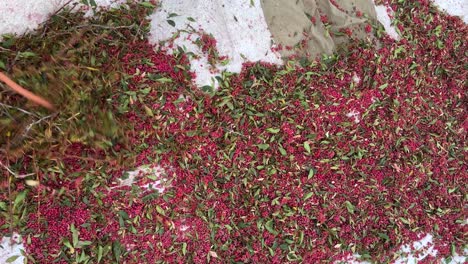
[
  {"x": 308, "y": 195},
  {"x": 147, "y": 5},
  {"x": 145, "y": 91},
  {"x": 123, "y": 214},
  {"x": 384, "y": 236},
  {"x": 269, "y": 227},
  {"x": 150, "y": 197},
  {"x": 184, "y": 248},
  {"x": 171, "y": 22},
  {"x": 99, "y": 255},
  {"x": 27, "y": 54},
  {"x": 20, "y": 198},
  {"x": 349, "y": 207},
  {"x": 207, "y": 89},
  {"x": 383, "y": 86},
  {"x": 74, "y": 235},
  {"x": 273, "y": 130},
  {"x": 451, "y": 190},
  {"x": 83, "y": 243},
  {"x": 191, "y": 19},
  {"x": 404, "y": 220},
  {"x": 160, "y": 210},
  {"x": 148, "y": 111},
  {"x": 311, "y": 174},
  {"x": 272, "y": 252},
  {"x": 282, "y": 150},
  {"x": 263, "y": 146},
  {"x": 163, "y": 80},
  {"x": 307, "y": 146},
  {"x": 437, "y": 30},
  {"x": 117, "y": 250},
  {"x": 230, "y": 105},
  {"x": 68, "y": 245},
  {"x": 12, "y": 259},
  {"x": 3, "y": 206}
]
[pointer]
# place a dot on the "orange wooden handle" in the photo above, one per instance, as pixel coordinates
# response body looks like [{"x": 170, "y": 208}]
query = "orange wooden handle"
[{"x": 27, "y": 94}]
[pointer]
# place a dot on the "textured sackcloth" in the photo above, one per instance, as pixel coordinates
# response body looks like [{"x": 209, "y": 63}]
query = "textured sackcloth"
[{"x": 313, "y": 27}]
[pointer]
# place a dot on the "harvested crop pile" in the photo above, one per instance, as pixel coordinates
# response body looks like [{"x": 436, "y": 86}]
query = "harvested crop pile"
[{"x": 354, "y": 153}]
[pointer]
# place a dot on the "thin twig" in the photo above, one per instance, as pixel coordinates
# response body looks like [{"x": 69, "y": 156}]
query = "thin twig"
[
  {"x": 38, "y": 176},
  {"x": 18, "y": 176},
  {"x": 101, "y": 26},
  {"x": 26, "y": 130},
  {"x": 8, "y": 169},
  {"x": 62, "y": 7},
  {"x": 10, "y": 204},
  {"x": 53, "y": 14},
  {"x": 19, "y": 109},
  {"x": 35, "y": 123}
]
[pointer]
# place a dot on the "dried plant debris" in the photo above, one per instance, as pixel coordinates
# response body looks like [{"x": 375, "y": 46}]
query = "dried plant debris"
[{"x": 75, "y": 63}]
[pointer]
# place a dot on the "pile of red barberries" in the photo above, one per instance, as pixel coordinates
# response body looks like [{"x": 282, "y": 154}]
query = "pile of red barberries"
[{"x": 356, "y": 153}]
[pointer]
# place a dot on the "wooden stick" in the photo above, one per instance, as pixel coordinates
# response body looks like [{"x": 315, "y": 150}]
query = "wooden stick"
[{"x": 27, "y": 94}]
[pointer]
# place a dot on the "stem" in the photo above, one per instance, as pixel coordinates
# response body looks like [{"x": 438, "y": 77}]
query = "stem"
[
  {"x": 10, "y": 206},
  {"x": 27, "y": 94}
]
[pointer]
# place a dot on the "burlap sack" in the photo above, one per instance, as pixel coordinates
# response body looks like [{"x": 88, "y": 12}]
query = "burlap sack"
[{"x": 313, "y": 27}]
